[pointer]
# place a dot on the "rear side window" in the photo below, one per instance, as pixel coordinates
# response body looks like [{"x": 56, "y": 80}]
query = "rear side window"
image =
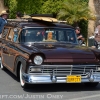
[
  {"x": 5, "y": 31},
  {"x": 15, "y": 38},
  {"x": 10, "y": 35}
]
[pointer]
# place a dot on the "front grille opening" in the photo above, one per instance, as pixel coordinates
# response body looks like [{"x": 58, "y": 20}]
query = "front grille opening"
[{"x": 72, "y": 70}]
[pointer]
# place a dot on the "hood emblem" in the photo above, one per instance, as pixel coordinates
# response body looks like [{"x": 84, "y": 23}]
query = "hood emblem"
[{"x": 50, "y": 45}]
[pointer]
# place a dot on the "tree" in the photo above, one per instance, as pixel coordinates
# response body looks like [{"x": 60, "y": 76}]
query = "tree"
[
  {"x": 12, "y": 5},
  {"x": 34, "y": 6},
  {"x": 24, "y": 6},
  {"x": 29, "y": 6},
  {"x": 52, "y": 7},
  {"x": 74, "y": 11}
]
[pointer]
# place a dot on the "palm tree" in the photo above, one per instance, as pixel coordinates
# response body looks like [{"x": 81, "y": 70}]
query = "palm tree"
[{"x": 74, "y": 11}]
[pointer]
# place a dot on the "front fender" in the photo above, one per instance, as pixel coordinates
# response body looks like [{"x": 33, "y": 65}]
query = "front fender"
[{"x": 20, "y": 60}]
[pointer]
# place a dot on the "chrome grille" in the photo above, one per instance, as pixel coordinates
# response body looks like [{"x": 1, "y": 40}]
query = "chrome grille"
[{"x": 62, "y": 70}]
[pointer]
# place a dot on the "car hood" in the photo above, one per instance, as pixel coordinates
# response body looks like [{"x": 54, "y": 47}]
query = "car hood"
[{"x": 64, "y": 51}]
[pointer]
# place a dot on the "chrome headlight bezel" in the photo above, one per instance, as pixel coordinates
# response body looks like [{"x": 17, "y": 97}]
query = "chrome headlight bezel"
[{"x": 38, "y": 60}]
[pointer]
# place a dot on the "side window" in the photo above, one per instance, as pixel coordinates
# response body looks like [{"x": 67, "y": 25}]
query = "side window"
[
  {"x": 15, "y": 38},
  {"x": 61, "y": 36},
  {"x": 10, "y": 35},
  {"x": 5, "y": 31},
  {"x": 71, "y": 36}
]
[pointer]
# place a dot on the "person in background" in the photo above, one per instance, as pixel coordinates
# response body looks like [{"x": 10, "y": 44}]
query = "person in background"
[
  {"x": 15, "y": 38},
  {"x": 80, "y": 37},
  {"x": 18, "y": 15},
  {"x": 38, "y": 36},
  {"x": 97, "y": 36},
  {"x": 3, "y": 20}
]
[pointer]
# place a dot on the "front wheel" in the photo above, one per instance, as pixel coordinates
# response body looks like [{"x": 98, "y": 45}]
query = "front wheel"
[
  {"x": 23, "y": 84},
  {"x": 91, "y": 84},
  {"x": 1, "y": 65}
]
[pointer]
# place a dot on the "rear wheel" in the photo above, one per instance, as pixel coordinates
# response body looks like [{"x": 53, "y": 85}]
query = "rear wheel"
[
  {"x": 91, "y": 84},
  {"x": 23, "y": 84}
]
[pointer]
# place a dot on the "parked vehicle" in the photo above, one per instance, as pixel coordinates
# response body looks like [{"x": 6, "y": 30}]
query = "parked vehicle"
[{"x": 40, "y": 50}]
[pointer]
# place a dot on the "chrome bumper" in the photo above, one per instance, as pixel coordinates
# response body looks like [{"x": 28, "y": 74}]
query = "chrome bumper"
[{"x": 47, "y": 78}]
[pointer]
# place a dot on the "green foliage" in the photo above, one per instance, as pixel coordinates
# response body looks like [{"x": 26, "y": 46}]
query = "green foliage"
[
  {"x": 73, "y": 11},
  {"x": 12, "y": 5},
  {"x": 29, "y": 6},
  {"x": 76, "y": 13},
  {"x": 83, "y": 24},
  {"x": 6, "y": 2},
  {"x": 34, "y": 6},
  {"x": 24, "y": 6},
  {"x": 52, "y": 7},
  {"x": 85, "y": 1}
]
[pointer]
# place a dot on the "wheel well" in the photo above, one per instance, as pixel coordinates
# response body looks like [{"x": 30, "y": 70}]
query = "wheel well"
[{"x": 18, "y": 69}]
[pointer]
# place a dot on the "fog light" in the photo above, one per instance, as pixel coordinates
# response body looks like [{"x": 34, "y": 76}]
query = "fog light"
[
  {"x": 35, "y": 69},
  {"x": 99, "y": 68}
]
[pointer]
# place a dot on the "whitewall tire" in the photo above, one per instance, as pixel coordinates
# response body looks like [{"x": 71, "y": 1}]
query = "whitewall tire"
[
  {"x": 1, "y": 65},
  {"x": 23, "y": 84}
]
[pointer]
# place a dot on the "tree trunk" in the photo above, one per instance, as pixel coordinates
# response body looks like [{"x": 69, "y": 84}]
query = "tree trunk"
[{"x": 91, "y": 23}]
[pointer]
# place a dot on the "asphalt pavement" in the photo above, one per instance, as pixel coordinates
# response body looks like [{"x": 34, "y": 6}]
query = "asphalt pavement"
[{"x": 10, "y": 89}]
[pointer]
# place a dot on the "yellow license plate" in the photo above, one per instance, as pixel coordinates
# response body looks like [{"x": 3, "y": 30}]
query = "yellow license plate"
[{"x": 73, "y": 79}]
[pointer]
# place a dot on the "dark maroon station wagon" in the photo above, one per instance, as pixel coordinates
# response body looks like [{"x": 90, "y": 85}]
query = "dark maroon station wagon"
[{"x": 41, "y": 50}]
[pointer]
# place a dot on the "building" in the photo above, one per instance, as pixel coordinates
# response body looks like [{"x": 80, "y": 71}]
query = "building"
[
  {"x": 2, "y": 7},
  {"x": 95, "y": 8}
]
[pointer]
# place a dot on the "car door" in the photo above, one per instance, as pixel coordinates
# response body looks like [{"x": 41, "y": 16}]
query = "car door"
[
  {"x": 3, "y": 45},
  {"x": 12, "y": 47},
  {"x": 7, "y": 58}
]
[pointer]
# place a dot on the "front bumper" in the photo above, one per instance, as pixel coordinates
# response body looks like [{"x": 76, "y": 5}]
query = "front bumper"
[{"x": 47, "y": 78}]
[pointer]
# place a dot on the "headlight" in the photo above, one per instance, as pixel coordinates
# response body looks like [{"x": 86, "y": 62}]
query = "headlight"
[{"x": 38, "y": 60}]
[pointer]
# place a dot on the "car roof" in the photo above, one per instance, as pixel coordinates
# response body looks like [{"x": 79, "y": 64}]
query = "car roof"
[
  {"x": 44, "y": 24},
  {"x": 37, "y": 22}
]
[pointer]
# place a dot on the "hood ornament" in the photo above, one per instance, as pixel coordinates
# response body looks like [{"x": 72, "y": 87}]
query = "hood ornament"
[{"x": 50, "y": 45}]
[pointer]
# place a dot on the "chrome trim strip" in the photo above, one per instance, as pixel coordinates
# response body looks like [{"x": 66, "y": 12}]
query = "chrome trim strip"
[{"x": 65, "y": 65}]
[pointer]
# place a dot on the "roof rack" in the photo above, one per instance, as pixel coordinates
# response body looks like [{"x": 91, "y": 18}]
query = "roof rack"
[
  {"x": 16, "y": 20},
  {"x": 35, "y": 17},
  {"x": 46, "y": 19},
  {"x": 26, "y": 17},
  {"x": 41, "y": 15},
  {"x": 59, "y": 21}
]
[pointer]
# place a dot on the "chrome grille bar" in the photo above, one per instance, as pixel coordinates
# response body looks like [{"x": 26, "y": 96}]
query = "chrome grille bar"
[{"x": 62, "y": 70}]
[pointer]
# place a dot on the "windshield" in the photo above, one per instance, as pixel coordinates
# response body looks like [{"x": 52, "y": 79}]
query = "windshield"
[{"x": 48, "y": 35}]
